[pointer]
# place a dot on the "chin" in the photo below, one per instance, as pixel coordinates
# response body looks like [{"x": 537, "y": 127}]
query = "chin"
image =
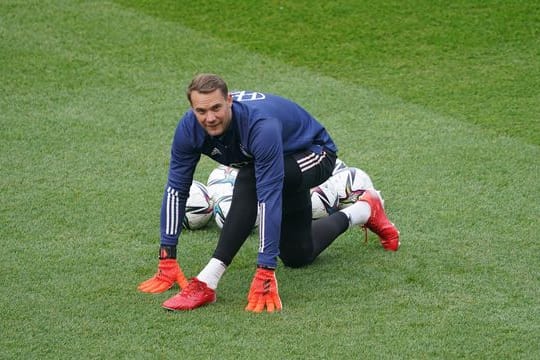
[{"x": 214, "y": 132}]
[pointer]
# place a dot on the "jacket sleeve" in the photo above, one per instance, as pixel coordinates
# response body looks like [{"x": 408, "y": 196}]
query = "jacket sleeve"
[
  {"x": 184, "y": 159},
  {"x": 267, "y": 147}
]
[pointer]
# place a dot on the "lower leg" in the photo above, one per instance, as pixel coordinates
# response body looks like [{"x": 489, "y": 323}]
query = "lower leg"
[
  {"x": 358, "y": 213},
  {"x": 325, "y": 230},
  {"x": 212, "y": 273},
  {"x": 241, "y": 218},
  {"x": 236, "y": 229}
]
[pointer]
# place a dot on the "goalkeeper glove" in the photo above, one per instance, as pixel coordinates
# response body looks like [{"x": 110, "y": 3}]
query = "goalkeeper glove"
[
  {"x": 168, "y": 273},
  {"x": 264, "y": 292}
]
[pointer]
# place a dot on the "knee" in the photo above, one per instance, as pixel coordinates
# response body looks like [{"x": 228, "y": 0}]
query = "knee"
[{"x": 295, "y": 262}]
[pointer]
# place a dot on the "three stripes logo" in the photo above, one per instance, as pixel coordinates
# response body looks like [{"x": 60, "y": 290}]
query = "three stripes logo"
[
  {"x": 310, "y": 161},
  {"x": 266, "y": 286}
]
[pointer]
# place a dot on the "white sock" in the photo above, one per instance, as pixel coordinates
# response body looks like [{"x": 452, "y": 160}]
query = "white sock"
[
  {"x": 212, "y": 273},
  {"x": 358, "y": 213}
]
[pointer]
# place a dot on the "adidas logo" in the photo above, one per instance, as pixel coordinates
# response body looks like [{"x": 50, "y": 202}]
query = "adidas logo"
[{"x": 215, "y": 151}]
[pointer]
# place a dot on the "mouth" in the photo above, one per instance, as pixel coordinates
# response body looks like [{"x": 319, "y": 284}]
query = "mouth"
[{"x": 214, "y": 129}]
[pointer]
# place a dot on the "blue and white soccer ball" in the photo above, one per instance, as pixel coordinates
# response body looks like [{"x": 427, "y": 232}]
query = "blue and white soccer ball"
[
  {"x": 324, "y": 200},
  {"x": 340, "y": 165},
  {"x": 348, "y": 183},
  {"x": 221, "y": 209},
  {"x": 221, "y": 182},
  {"x": 199, "y": 207}
]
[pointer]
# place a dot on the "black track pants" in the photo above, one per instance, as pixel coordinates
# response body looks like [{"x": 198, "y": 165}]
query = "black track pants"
[{"x": 302, "y": 239}]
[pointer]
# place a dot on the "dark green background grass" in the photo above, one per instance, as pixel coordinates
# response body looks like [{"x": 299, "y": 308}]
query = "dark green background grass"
[
  {"x": 437, "y": 54},
  {"x": 439, "y": 103}
]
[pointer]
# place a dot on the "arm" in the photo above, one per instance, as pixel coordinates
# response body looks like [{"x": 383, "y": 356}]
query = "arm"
[
  {"x": 267, "y": 146},
  {"x": 269, "y": 173},
  {"x": 184, "y": 159},
  {"x": 182, "y": 165}
]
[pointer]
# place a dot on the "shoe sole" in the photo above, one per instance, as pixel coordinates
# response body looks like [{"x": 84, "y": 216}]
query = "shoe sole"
[{"x": 187, "y": 309}]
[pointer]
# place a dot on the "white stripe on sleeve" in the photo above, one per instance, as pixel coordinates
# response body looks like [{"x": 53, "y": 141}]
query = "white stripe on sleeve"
[
  {"x": 262, "y": 217},
  {"x": 172, "y": 212}
]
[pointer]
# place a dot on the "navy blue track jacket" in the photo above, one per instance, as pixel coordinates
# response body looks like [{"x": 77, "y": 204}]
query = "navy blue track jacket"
[{"x": 263, "y": 129}]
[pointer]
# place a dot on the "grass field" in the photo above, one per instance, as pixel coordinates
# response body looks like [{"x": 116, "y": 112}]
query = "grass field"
[{"x": 438, "y": 103}]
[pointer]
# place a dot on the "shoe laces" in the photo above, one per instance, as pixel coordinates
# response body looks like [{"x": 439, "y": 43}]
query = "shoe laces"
[
  {"x": 195, "y": 286},
  {"x": 364, "y": 228}
]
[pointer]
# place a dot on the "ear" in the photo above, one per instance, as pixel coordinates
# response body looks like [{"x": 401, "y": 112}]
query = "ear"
[{"x": 229, "y": 99}]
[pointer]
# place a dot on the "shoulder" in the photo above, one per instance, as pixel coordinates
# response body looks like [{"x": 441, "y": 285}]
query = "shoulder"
[
  {"x": 248, "y": 96},
  {"x": 249, "y": 107},
  {"x": 260, "y": 100},
  {"x": 188, "y": 130}
]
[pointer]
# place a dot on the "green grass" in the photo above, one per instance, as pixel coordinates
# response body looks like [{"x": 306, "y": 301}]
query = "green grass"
[
  {"x": 437, "y": 103},
  {"x": 472, "y": 60}
]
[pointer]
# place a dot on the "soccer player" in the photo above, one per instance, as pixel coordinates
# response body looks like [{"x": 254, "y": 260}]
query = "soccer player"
[{"x": 281, "y": 152}]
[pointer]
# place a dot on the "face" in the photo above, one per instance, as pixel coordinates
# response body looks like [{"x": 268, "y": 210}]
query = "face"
[{"x": 213, "y": 111}]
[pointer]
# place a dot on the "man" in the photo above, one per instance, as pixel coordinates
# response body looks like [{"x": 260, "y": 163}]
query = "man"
[{"x": 281, "y": 152}]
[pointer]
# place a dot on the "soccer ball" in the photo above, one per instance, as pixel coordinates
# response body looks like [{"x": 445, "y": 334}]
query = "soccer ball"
[
  {"x": 324, "y": 200},
  {"x": 221, "y": 182},
  {"x": 199, "y": 207},
  {"x": 340, "y": 165},
  {"x": 221, "y": 209},
  {"x": 348, "y": 183}
]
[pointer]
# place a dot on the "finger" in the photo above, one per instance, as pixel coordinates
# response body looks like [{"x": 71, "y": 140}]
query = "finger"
[
  {"x": 145, "y": 287},
  {"x": 260, "y": 305},
  {"x": 155, "y": 287},
  {"x": 160, "y": 287},
  {"x": 148, "y": 284},
  {"x": 277, "y": 302},
  {"x": 269, "y": 304},
  {"x": 182, "y": 281},
  {"x": 144, "y": 284},
  {"x": 152, "y": 287},
  {"x": 251, "y": 306}
]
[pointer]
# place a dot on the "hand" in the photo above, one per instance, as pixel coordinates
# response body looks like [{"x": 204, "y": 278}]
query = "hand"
[
  {"x": 264, "y": 292},
  {"x": 169, "y": 272}
]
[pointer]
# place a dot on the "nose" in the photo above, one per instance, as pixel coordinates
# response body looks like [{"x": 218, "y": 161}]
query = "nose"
[{"x": 210, "y": 116}]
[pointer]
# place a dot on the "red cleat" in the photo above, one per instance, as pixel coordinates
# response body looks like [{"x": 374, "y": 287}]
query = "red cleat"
[
  {"x": 194, "y": 295},
  {"x": 379, "y": 223}
]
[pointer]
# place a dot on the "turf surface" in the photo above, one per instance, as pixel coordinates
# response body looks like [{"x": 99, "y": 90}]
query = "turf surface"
[{"x": 439, "y": 104}]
